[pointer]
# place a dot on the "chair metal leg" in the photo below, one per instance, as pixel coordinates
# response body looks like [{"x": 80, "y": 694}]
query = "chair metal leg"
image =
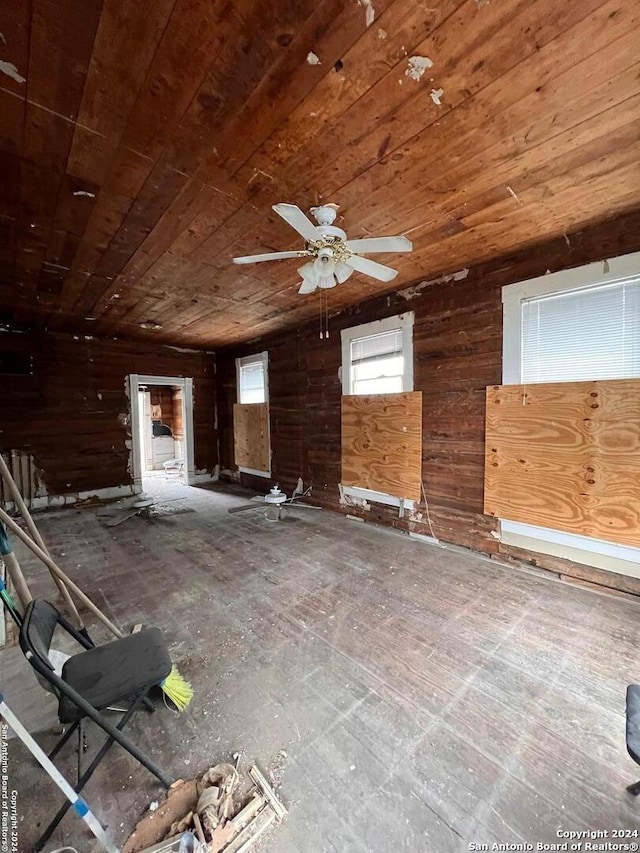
[
  {"x": 82, "y": 747},
  {"x": 82, "y": 781},
  {"x": 65, "y": 737},
  {"x": 634, "y": 789}
]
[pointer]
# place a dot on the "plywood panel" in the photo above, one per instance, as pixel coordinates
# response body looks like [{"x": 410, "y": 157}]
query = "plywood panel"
[
  {"x": 251, "y": 435},
  {"x": 566, "y": 456},
  {"x": 382, "y": 443}
]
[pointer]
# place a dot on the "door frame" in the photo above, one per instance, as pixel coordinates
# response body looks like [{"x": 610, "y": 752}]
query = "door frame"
[{"x": 186, "y": 384}]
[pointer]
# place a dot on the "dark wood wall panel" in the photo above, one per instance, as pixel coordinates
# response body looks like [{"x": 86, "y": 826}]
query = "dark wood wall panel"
[
  {"x": 457, "y": 354},
  {"x": 70, "y": 411}
]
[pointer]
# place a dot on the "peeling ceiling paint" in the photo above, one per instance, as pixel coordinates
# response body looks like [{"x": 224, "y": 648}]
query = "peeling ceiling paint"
[
  {"x": 10, "y": 70},
  {"x": 417, "y": 66},
  {"x": 369, "y": 11}
]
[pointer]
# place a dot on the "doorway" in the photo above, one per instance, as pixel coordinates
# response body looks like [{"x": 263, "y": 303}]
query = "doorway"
[{"x": 161, "y": 430}]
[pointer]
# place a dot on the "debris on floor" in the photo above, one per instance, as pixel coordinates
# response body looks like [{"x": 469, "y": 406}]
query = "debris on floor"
[
  {"x": 143, "y": 506},
  {"x": 224, "y": 811}
]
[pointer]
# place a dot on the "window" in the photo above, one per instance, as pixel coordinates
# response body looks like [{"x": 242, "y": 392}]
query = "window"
[
  {"x": 377, "y": 358},
  {"x": 253, "y": 383},
  {"x": 576, "y": 325}
]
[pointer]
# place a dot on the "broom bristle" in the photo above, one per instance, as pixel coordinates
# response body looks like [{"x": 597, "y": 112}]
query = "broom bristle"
[{"x": 177, "y": 689}]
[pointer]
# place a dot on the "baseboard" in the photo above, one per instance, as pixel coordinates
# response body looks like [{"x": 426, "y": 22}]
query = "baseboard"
[{"x": 53, "y": 501}]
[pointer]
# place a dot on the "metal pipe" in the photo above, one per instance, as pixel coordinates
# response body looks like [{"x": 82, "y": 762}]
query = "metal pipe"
[
  {"x": 56, "y": 570},
  {"x": 35, "y": 533}
]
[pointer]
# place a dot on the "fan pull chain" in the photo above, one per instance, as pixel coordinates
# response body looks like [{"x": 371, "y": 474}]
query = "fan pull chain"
[
  {"x": 321, "y": 333},
  {"x": 326, "y": 324}
]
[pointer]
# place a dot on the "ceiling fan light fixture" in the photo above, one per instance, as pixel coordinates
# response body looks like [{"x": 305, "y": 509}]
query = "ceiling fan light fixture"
[
  {"x": 325, "y": 264},
  {"x": 343, "y": 271},
  {"x": 308, "y": 272},
  {"x": 327, "y": 281}
]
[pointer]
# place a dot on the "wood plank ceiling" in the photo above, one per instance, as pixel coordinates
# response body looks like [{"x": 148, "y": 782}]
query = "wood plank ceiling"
[{"x": 144, "y": 142}]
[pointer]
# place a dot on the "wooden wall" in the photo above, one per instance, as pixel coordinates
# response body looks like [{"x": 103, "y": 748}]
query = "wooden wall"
[
  {"x": 70, "y": 412},
  {"x": 162, "y": 404},
  {"x": 178, "y": 426},
  {"x": 457, "y": 354}
]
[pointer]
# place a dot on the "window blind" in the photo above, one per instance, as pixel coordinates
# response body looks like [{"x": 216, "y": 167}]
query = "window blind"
[
  {"x": 377, "y": 363},
  {"x": 590, "y": 333},
  {"x": 252, "y": 383}
]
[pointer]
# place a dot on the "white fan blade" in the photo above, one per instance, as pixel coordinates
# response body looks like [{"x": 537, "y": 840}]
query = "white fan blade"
[
  {"x": 292, "y": 214},
  {"x": 372, "y": 268},
  {"x": 306, "y": 287},
  {"x": 380, "y": 244},
  {"x": 270, "y": 256}
]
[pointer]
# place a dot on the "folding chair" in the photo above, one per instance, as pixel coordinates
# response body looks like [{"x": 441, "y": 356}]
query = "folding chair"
[
  {"x": 633, "y": 730},
  {"x": 92, "y": 680}
]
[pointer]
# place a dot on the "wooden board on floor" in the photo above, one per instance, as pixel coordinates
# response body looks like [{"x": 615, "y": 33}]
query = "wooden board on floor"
[
  {"x": 251, "y": 436},
  {"x": 382, "y": 443},
  {"x": 566, "y": 456}
]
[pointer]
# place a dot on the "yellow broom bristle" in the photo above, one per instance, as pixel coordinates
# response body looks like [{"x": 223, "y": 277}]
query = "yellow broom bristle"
[{"x": 177, "y": 689}]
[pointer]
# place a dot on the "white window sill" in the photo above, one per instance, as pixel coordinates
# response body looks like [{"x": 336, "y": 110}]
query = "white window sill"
[
  {"x": 254, "y": 472},
  {"x": 622, "y": 559},
  {"x": 375, "y": 497}
]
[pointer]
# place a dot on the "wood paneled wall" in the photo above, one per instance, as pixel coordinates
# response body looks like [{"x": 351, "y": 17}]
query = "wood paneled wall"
[
  {"x": 457, "y": 354},
  {"x": 162, "y": 404},
  {"x": 71, "y": 411}
]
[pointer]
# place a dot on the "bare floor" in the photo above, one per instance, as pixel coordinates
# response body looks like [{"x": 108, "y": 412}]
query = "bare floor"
[{"x": 412, "y": 697}]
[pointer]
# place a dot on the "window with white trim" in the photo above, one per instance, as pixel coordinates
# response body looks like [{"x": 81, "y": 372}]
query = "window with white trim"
[
  {"x": 576, "y": 325},
  {"x": 252, "y": 377},
  {"x": 377, "y": 358}
]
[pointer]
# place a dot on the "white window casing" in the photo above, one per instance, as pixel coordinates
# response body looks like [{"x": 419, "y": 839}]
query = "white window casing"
[
  {"x": 379, "y": 345},
  {"x": 252, "y": 377}
]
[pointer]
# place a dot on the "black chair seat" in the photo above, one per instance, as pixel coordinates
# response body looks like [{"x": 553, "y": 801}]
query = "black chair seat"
[
  {"x": 115, "y": 671},
  {"x": 633, "y": 721}
]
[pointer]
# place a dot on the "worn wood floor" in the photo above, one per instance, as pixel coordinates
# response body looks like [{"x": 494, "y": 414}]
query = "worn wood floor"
[{"x": 425, "y": 699}]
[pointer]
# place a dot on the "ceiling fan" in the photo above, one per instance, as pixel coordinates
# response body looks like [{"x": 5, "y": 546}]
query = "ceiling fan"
[{"x": 335, "y": 257}]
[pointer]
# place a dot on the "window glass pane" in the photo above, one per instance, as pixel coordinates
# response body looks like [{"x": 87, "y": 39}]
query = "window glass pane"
[
  {"x": 592, "y": 333},
  {"x": 384, "y": 385},
  {"x": 252, "y": 383},
  {"x": 378, "y": 367}
]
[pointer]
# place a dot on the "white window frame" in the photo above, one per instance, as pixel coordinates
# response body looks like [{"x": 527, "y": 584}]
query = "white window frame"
[
  {"x": 377, "y": 327},
  {"x": 580, "y": 549},
  {"x": 243, "y": 362},
  {"x": 399, "y": 321},
  {"x": 254, "y": 359}
]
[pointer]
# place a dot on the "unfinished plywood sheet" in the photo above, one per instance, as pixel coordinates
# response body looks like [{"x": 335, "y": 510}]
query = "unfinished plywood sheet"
[
  {"x": 382, "y": 443},
  {"x": 251, "y": 436},
  {"x": 566, "y": 456}
]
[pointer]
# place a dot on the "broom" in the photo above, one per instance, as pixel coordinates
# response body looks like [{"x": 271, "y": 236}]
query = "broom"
[{"x": 175, "y": 686}]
